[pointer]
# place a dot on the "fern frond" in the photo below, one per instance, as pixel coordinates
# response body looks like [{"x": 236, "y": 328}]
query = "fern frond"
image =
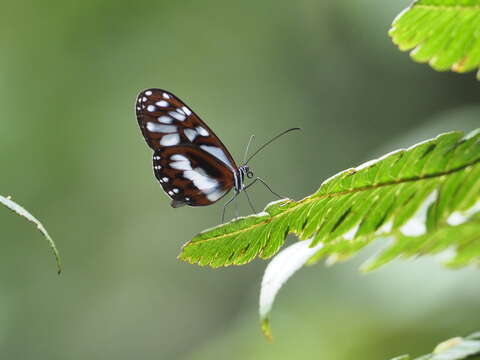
[
  {"x": 443, "y": 33},
  {"x": 22, "y": 212},
  {"x": 425, "y": 199},
  {"x": 457, "y": 348}
]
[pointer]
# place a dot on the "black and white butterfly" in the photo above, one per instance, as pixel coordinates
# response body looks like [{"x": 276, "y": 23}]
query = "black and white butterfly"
[{"x": 189, "y": 160}]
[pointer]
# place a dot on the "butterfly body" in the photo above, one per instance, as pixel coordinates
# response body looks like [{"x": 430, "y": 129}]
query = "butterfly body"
[{"x": 189, "y": 160}]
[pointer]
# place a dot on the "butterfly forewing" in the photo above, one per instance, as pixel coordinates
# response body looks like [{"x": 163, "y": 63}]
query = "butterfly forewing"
[
  {"x": 190, "y": 161},
  {"x": 165, "y": 120}
]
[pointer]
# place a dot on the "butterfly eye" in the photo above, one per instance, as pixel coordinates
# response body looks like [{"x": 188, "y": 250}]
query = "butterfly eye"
[{"x": 249, "y": 174}]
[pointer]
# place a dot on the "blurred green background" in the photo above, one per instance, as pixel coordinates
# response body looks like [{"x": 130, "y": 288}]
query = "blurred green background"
[{"x": 72, "y": 153}]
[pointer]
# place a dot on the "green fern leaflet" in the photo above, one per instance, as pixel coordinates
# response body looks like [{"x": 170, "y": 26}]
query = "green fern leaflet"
[
  {"x": 424, "y": 199},
  {"x": 443, "y": 33}
]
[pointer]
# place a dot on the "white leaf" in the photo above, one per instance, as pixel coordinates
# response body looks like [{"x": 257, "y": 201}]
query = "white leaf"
[{"x": 278, "y": 271}]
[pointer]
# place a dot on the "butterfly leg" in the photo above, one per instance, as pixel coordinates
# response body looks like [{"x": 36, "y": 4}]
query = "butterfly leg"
[
  {"x": 237, "y": 213},
  {"x": 226, "y": 204},
  {"x": 253, "y": 182},
  {"x": 249, "y": 201}
]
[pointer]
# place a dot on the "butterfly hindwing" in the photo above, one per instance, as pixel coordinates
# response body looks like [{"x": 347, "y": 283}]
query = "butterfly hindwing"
[{"x": 191, "y": 176}]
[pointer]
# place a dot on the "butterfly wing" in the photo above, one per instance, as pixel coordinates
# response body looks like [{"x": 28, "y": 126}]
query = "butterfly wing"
[
  {"x": 190, "y": 161},
  {"x": 165, "y": 120},
  {"x": 191, "y": 176}
]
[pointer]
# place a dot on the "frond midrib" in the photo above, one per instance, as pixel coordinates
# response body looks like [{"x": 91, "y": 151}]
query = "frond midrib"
[{"x": 338, "y": 193}]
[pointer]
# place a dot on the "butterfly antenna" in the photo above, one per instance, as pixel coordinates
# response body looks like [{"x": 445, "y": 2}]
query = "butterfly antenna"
[
  {"x": 248, "y": 147},
  {"x": 269, "y": 142}
]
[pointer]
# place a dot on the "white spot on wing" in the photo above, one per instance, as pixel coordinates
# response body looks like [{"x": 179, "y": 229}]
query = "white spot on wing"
[
  {"x": 201, "y": 180},
  {"x": 178, "y": 157},
  {"x": 151, "y": 108},
  {"x": 170, "y": 192},
  {"x": 202, "y": 131},
  {"x": 190, "y": 134},
  {"x": 170, "y": 140},
  {"x": 162, "y": 103},
  {"x": 187, "y": 110},
  {"x": 166, "y": 96},
  {"x": 416, "y": 226},
  {"x": 148, "y": 93},
  {"x": 165, "y": 179},
  {"x": 159, "y": 128},
  {"x": 144, "y": 99},
  {"x": 176, "y": 191},
  {"x": 218, "y": 153},
  {"x": 181, "y": 163},
  {"x": 165, "y": 119},
  {"x": 216, "y": 194},
  {"x": 177, "y": 116}
]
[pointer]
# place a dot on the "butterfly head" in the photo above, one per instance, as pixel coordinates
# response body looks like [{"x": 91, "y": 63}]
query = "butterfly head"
[
  {"x": 243, "y": 171},
  {"x": 249, "y": 172}
]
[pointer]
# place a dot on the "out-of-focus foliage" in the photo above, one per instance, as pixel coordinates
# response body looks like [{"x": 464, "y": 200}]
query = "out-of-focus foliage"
[
  {"x": 443, "y": 33},
  {"x": 424, "y": 198},
  {"x": 453, "y": 349},
  {"x": 12, "y": 205}
]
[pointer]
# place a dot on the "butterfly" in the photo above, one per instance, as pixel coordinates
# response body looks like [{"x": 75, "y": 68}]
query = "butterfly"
[{"x": 191, "y": 163}]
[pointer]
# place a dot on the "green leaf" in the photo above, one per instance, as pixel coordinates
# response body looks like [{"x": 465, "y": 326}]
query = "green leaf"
[
  {"x": 443, "y": 33},
  {"x": 424, "y": 199},
  {"x": 22, "y": 212},
  {"x": 453, "y": 349}
]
